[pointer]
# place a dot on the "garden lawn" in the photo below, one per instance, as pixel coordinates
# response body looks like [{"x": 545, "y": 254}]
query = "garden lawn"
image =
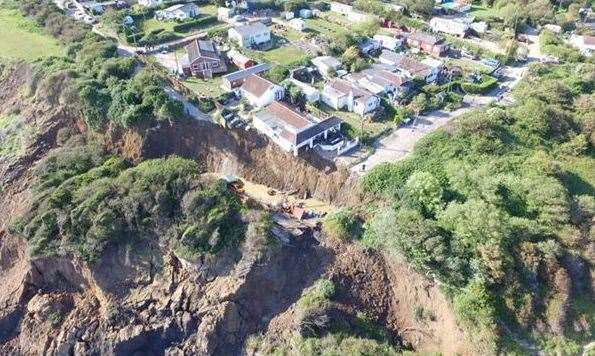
[
  {"x": 209, "y": 88},
  {"x": 372, "y": 130},
  {"x": 208, "y": 10},
  {"x": 324, "y": 27},
  {"x": 21, "y": 38},
  {"x": 283, "y": 55}
]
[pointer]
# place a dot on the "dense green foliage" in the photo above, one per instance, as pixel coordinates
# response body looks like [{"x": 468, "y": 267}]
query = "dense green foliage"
[
  {"x": 551, "y": 44},
  {"x": 51, "y": 18},
  {"x": 341, "y": 224},
  {"x": 84, "y": 202},
  {"x": 200, "y": 22},
  {"x": 492, "y": 209},
  {"x": 108, "y": 90},
  {"x": 486, "y": 84}
]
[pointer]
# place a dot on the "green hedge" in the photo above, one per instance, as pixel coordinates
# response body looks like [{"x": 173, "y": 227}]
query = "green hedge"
[
  {"x": 487, "y": 83},
  {"x": 195, "y": 23}
]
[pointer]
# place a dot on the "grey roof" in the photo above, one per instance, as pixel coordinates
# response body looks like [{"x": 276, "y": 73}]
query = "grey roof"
[
  {"x": 251, "y": 29},
  {"x": 199, "y": 48},
  {"x": 182, "y": 7},
  {"x": 259, "y": 68},
  {"x": 317, "y": 129}
]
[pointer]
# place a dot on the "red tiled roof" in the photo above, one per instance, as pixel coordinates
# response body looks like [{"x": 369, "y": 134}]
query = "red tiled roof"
[
  {"x": 289, "y": 116},
  {"x": 256, "y": 85}
]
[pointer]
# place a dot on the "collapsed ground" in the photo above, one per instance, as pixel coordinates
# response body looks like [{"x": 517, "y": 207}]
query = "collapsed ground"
[{"x": 498, "y": 208}]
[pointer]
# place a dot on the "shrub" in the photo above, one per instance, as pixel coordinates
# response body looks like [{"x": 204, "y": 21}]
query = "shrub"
[
  {"x": 486, "y": 84},
  {"x": 342, "y": 224},
  {"x": 200, "y": 22},
  {"x": 86, "y": 202}
]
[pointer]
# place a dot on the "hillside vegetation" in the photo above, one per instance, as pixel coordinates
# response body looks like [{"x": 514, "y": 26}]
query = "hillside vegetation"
[
  {"x": 489, "y": 208},
  {"x": 85, "y": 201}
]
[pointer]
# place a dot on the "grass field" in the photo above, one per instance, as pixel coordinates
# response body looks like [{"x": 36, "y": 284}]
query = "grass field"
[
  {"x": 371, "y": 130},
  {"x": 324, "y": 27},
  {"x": 21, "y": 38},
  {"x": 283, "y": 55},
  {"x": 210, "y": 88}
]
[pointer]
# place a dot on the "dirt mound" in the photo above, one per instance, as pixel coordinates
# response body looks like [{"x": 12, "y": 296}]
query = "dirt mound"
[{"x": 412, "y": 309}]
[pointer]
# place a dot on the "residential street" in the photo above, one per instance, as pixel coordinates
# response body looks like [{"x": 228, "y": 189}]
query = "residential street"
[{"x": 401, "y": 141}]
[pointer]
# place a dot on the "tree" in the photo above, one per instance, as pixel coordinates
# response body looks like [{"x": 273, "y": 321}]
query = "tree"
[
  {"x": 419, "y": 104},
  {"x": 424, "y": 192},
  {"x": 367, "y": 28},
  {"x": 171, "y": 110},
  {"x": 350, "y": 56},
  {"x": 474, "y": 222},
  {"x": 421, "y": 7},
  {"x": 296, "y": 96}
]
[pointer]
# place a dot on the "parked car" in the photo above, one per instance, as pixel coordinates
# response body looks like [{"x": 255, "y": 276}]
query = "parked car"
[{"x": 491, "y": 62}]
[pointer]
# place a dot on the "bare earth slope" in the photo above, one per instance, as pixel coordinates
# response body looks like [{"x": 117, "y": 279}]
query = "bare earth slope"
[{"x": 143, "y": 299}]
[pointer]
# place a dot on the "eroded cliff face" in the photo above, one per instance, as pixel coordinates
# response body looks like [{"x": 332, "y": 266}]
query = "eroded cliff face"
[{"x": 140, "y": 298}]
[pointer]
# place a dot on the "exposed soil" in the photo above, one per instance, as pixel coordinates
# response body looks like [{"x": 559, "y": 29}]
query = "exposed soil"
[{"x": 142, "y": 299}]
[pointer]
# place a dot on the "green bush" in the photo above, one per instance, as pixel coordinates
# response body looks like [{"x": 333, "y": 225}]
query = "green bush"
[
  {"x": 200, "y": 22},
  {"x": 342, "y": 224},
  {"x": 486, "y": 84},
  {"x": 86, "y": 202}
]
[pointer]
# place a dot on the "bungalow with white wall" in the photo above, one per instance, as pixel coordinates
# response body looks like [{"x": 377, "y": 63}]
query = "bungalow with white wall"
[
  {"x": 297, "y": 24},
  {"x": 380, "y": 81},
  {"x": 150, "y": 3},
  {"x": 341, "y": 8},
  {"x": 311, "y": 94},
  {"x": 179, "y": 12},
  {"x": 254, "y": 34},
  {"x": 291, "y": 129},
  {"x": 260, "y": 92},
  {"x": 326, "y": 64},
  {"x": 389, "y": 42},
  {"x": 428, "y": 69},
  {"x": 340, "y": 94},
  {"x": 453, "y": 26}
]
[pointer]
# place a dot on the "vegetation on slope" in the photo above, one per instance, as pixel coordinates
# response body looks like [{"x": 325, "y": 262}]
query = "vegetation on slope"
[
  {"x": 488, "y": 208},
  {"x": 109, "y": 91},
  {"x": 85, "y": 201},
  {"x": 326, "y": 330}
]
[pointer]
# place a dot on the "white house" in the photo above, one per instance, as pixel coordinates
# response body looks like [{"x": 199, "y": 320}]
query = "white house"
[
  {"x": 150, "y": 3},
  {"x": 340, "y": 94},
  {"x": 249, "y": 35},
  {"x": 428, "y": 69},
  {"x": 178, "y": 12},
  {"x": 260, "y": 92},
  {"x": 340, "y": 8},
  {"x": 291, "y": 129},
  {"x": 326, "y": 64},
  {"x": 453, "y": 26},
  {"x": 380, "y": 81},
  {"x": 312, "y": 94},
  {"x": 389, "y": 42},
  {"x": 305, "y": 13},
  {"x": 359, "y": 16},
  {"x": 585, "y": 44},
  {"x": 297, "y": 24}
]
